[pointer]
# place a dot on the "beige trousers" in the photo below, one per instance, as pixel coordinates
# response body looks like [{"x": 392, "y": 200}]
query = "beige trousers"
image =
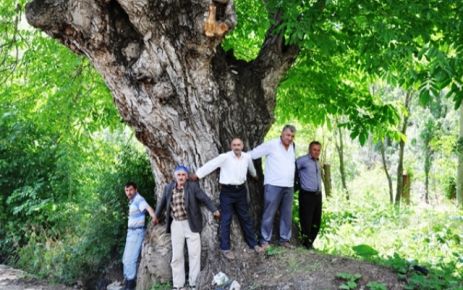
[{"x": 180, "y": 231}]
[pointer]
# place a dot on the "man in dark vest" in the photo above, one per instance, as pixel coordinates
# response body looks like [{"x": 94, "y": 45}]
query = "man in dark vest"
[{"x": 181, "y": 201}]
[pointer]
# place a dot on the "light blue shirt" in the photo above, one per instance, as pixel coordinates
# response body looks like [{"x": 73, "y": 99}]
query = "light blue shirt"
[
  {"x": 309, "y": 173},
  {"x": 137, "y": 208}
]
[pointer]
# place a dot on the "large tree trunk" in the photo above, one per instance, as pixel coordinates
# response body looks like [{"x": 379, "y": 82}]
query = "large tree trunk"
[{"x": 183, "y": 95}]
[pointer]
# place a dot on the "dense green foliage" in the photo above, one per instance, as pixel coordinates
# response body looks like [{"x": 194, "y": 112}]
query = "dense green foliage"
[
  {"x": 347, "y": 47},
  {"x": 65, "y": 154},
  {"x": 95, "y": 234},
  {"x": 64, "y": 158},
  {"x": 368, "y": 227},
  {"x": 407, "y": 240}
]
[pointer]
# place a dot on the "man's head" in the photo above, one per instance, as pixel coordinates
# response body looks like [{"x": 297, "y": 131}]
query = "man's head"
[
  {"x": 236, "y": 146},
  {"x": 287, "y": 134},
  {"x": 130, "y": 189},
  {"x": 181, "y": 174},
  {"x": 314, "y": 149}
]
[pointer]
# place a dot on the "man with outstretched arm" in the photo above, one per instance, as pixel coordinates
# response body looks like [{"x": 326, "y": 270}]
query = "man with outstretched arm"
[
  {"x": 181, "y": 201},
  {"x": 234, "y": 166},
  {"x": 135, "y": 233},
  {"x": 278, "y": 184}
]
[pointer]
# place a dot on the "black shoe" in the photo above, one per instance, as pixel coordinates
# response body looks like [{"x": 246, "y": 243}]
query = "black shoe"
[
  {"x": 309, "y": 247},
  {"x": 130, "y": 284}
]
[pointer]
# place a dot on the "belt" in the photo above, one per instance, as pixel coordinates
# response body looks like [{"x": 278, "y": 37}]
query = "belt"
[
  {"x": 233, "y": 186},
  {"x": 136, "y": 228},
  {"x": 311, "y": 192},
  {"x": 180, "y": 219}
]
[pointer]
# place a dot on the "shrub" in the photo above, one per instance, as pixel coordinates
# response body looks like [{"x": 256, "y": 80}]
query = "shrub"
[{"x": 450, "y": 187}]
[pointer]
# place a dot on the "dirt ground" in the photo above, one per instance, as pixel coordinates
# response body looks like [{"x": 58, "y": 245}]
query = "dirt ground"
[
  {"x": 13, "y": 279},
  {"x": 297, "y": 268},
  {"x": 279, "y": 268}
]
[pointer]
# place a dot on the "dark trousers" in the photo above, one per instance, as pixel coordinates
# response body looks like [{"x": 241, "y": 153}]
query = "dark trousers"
[
  {"x": 234, "y": 199},
  {"x": 310, "y": 215}
]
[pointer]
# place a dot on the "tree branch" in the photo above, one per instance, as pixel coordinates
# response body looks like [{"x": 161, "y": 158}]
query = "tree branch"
[
  {"x": 49, "y": 15},
  {"x": 276, "y": 57},
  {"x": 274, "y": 60},
  {"x": 77, "y": 24}
]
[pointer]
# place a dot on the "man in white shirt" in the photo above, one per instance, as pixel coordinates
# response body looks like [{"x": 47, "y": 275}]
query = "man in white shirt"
[
  {"x": 278, "y": 184},
  {"x": 234, "y": 166}
]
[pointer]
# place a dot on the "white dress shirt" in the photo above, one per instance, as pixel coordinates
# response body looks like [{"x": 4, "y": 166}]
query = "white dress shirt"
[
  {"x": 233, "y": 169},
  {"x": 279, "y": 163}
]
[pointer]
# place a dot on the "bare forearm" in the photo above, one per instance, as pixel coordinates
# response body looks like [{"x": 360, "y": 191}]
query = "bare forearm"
[{"x": 151, "y": 212}]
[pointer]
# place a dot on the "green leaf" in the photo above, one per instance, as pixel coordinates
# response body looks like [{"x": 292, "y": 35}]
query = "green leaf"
[
  {"x": 373, "y": 285},
  {"x": 365, "y": 250}
]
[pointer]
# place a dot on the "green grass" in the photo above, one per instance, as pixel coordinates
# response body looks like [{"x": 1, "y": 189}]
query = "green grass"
[
  {"x": 350, "y": 280},
  {"x": 161, "y": 286},
  {"x": 407, "y": 239}
]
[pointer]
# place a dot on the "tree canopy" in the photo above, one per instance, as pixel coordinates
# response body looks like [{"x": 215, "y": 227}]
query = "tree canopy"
[{"x": 347, "y": 46}]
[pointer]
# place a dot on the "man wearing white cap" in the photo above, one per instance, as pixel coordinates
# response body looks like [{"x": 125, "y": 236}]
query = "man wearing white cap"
[{"x": 181, "y": 200}]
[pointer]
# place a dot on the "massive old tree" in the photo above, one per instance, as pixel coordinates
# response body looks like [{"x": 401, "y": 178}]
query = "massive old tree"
[
  {"x": 186, "y": 96},
  {"x": 172, "y": 82}
]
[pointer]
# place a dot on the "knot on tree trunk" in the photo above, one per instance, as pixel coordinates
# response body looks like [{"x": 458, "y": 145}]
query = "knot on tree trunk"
[{"x": 220, "y": 18}]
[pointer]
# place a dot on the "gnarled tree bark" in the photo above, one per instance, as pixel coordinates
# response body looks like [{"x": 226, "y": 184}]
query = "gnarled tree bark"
[{"x": 182, "y": 93}]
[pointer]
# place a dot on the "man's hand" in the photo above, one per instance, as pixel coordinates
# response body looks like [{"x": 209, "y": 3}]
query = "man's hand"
[
  {"x": 194, "y": 177},
  {"x": 154, "y": 220},
  {"x": 216, "y": 215}
]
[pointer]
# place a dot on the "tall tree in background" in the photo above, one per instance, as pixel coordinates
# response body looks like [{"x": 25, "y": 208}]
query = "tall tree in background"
[
  {"x": 460, "y": 161},
  {"x": 400, "y": 167},
  {"x": 339, "y": 143},
  {"x": 430, "y": 132},
  {"x": 382, "y": 149},
  {"x": 426, "y": 136}
]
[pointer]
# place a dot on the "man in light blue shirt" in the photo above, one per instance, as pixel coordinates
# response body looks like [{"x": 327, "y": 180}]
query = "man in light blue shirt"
[
  {"x": 135, "y": 233},
  {"x": 278, "y": 184},
  {"x": 309, "y": 182}
]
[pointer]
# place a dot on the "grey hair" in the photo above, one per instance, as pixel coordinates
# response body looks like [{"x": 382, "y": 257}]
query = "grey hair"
[{"x": 289, "y": 127}]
